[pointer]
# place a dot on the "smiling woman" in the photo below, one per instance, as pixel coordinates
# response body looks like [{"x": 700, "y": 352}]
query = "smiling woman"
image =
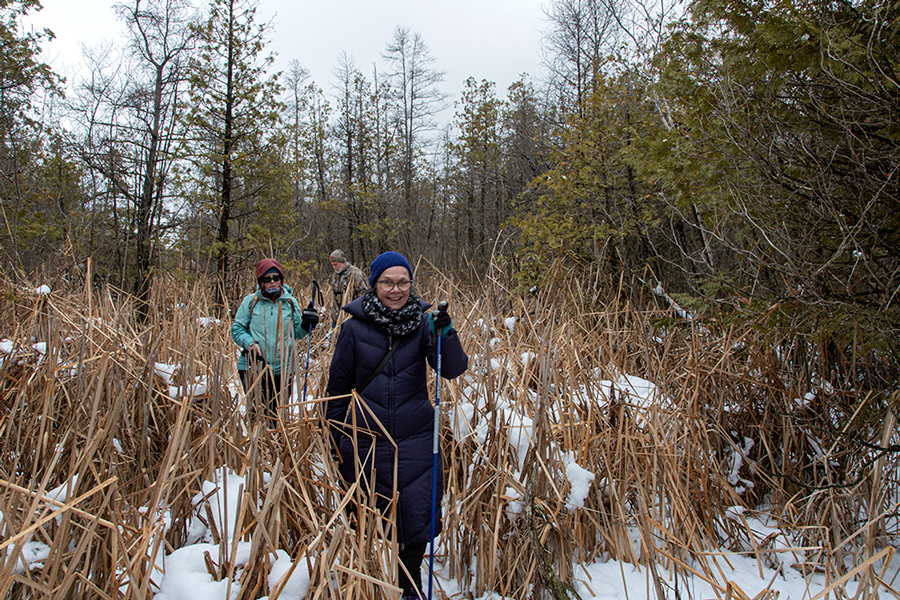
[{"x": 382, "y": 353}]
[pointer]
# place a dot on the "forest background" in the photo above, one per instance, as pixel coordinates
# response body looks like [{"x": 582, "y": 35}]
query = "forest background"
[
  {"x": 742, "y": 154},
  {"x": 734, "y": 160}
]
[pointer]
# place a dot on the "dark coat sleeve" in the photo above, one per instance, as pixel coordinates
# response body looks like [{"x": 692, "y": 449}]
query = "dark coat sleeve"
[{"x": 454, "y": 360}]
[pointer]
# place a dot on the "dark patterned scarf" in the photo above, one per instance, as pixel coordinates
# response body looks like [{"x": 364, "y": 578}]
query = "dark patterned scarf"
[{"x": 396, "y": 322}]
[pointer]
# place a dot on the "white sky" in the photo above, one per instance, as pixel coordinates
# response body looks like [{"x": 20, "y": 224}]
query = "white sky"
[{"x": 497, "y": 40}]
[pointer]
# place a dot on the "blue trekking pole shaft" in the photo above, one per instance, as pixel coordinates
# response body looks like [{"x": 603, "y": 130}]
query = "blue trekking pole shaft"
[
  {"x": 309, "y": 341},
  {"x": 435, "y": 448}
]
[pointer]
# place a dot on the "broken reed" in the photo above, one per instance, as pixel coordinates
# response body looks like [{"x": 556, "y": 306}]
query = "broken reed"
[{"x": 93, "y": 406}]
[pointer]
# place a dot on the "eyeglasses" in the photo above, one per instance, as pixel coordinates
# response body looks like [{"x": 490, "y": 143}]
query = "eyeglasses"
[
  {"x": 270, "y": 278},
  {"x": 387, "y": 285}
]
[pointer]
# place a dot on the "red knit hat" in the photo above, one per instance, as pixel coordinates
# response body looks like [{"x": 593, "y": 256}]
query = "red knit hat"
[{"x": 267, "y": 264}]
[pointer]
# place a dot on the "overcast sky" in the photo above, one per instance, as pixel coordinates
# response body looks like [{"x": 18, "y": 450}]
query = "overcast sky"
[{"x": 497, "y": 40}]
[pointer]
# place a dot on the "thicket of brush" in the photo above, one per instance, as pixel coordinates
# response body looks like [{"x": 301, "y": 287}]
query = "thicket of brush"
[{"x": 92, "y": 411}]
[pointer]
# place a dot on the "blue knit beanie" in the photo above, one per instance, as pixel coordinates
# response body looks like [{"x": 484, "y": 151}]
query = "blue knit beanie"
[{"x": 386, "y": 261}]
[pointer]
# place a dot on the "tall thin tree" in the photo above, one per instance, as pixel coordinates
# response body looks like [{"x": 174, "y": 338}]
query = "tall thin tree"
[
  {"x": 414, "y": 82},
  {"x": 235, "y": 104},
  {"x": 160, "y": 40},
  {"x": 129, "y": 111}
]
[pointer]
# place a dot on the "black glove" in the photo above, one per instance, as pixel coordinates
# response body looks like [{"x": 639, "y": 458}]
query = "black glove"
[
  {"x": 309, "y": 318},
  {"x": 440, "y": 320}
]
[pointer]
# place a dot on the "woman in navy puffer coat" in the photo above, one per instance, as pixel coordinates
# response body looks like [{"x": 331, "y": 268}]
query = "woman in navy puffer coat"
[{"x": 390, "y": 314}]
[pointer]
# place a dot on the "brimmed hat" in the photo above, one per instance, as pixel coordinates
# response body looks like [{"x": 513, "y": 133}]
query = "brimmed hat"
[
  {"x": 386, "y": 261},
  {"x": 266, "y": 265}
]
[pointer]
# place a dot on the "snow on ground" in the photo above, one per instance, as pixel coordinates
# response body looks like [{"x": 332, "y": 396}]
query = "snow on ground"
[
  {"x": 198, "y": 387},
  {"x": 33, "y": 554},
  {"x": 42, "y": 290},
  {"x": 186, "y": 576}
]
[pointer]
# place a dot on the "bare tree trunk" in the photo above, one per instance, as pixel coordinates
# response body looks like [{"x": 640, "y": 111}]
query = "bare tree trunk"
[
  {"x": 223, "y": 237},
  {"x": 143, "y": 242}
]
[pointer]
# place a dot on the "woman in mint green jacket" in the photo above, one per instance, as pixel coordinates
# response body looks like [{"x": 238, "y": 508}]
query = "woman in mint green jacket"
[{"x": 265, "y": 326}]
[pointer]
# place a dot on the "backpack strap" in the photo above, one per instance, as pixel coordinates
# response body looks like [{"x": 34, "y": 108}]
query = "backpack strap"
[
  {"x": 253, "y": 304},
  {"x": 249, "y": 318},
  {"x": 378, "y": 369},
  {"x": 256, "y": 299}
]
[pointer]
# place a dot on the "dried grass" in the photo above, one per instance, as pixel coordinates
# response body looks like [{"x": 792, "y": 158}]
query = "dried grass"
[{"x": 91, "y": 411}]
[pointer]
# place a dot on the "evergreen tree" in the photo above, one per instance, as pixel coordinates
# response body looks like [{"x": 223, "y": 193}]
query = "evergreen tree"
[
  {"x": 235, "y": 114},
  {"x": 481, "y": 200},
  {"x": 526, "y": 137},
  {"x": 786, "y": 141},
  {"x": 369, "y": 183},
  {"x": 23, "y": 191},
  {"x": 591, "y": 206},
  {"x": 21, "y": 71}
]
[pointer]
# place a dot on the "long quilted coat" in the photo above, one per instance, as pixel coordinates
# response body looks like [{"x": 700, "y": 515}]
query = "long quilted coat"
[{"x": 398, "y": 398}]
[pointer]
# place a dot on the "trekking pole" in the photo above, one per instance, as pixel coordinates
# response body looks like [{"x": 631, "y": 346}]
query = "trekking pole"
[
  {"x": 435, "y": 448},
  {"x": 312, "y": 303}
]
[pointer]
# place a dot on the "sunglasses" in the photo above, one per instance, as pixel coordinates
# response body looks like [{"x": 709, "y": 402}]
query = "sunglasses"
[{"x": 270, "y": 278}]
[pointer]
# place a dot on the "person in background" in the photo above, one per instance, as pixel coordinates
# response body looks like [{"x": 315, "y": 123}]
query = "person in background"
[
  {"x": 266, "y": 324},
  {"x": 382, "y": 352},
  {"x": 346, "y": 277}
]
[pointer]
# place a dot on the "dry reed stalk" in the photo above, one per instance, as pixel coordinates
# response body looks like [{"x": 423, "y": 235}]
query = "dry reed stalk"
[
  {"x": 92, "y": 404},
  {"x": 693, "y": 392}
]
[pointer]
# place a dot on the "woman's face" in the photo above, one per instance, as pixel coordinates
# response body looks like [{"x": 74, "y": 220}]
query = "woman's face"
[
  {"x": 271, "y": 282},
  {"x": 388, "y": 287}
]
